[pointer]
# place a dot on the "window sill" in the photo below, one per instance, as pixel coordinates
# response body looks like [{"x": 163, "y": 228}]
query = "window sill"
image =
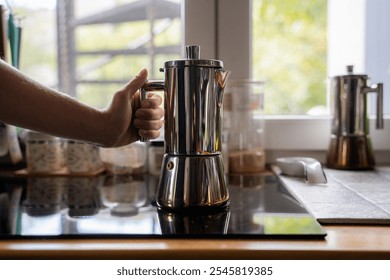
[{"x": 306, "y": 133}]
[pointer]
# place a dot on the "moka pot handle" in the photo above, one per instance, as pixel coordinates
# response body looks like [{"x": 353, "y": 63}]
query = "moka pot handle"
[
  {"x": 152, "y": 85},
  {"x": 378, "y": 89}
]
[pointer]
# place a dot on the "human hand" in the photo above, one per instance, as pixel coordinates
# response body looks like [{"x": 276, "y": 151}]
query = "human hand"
[{"x": 129, "y": 119}]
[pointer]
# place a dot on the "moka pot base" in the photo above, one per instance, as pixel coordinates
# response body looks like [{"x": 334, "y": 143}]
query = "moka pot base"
[
  {"x": 350, "y": 153},
  {"x": 192, "y": 182}
]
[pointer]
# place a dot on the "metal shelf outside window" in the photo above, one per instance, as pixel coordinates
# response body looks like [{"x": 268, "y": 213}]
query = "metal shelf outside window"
[{"x": 141, "y": 10}]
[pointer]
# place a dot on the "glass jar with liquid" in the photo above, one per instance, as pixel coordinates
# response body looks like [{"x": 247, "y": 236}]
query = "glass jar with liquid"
[
  {"x": 130, "y": 159},
  {"x": 244, "y": 117}
]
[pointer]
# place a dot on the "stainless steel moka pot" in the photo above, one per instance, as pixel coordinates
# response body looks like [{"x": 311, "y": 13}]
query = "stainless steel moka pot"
[
  {"x": 192, "y": 174},
  {"x": 350, "y": 145}
]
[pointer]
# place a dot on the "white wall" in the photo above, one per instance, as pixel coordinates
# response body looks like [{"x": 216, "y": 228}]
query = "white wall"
[{"x": 359, "y": 35}]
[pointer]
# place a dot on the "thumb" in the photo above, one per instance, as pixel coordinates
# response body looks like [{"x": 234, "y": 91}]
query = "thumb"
[
  {"x": 137, "y": 82},
  {"x": 126, "y": 95}
]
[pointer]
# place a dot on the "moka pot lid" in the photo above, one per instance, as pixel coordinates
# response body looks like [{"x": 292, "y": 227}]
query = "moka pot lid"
[{"x": 193, "y": 60}]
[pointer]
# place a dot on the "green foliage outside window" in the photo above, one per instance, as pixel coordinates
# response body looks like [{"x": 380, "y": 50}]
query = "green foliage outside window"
[{"x": 289, "y": 53}]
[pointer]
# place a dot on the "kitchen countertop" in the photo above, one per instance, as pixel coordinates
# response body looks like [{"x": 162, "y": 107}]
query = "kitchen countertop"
[{"x": 342, "y": 242}]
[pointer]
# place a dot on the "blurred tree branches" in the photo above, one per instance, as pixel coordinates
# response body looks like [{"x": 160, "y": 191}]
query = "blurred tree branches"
[{"x": 289, "y": 53}]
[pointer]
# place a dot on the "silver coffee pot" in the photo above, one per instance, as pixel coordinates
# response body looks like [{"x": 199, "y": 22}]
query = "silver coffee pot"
[
  {"x": 350, "y": 145},
  {"x": 192, "y": 173}
]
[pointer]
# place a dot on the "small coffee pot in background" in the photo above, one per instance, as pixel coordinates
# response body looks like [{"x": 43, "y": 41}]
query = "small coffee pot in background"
[{"x": 350, "y": 144}]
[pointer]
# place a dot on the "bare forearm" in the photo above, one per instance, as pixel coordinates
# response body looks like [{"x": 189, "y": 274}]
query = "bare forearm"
[{"x": 26, "y": 103}]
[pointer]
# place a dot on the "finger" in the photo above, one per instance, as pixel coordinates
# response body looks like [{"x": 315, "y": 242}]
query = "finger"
[
  {"x": 153, "y": 101},
  {"x": 148, "y": 125},
  {"x": 149, "y": 114},
  {"x": 149, "y": 134}
]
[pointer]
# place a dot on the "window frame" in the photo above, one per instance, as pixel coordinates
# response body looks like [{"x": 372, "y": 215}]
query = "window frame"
[{"x": 229, "y": 40}]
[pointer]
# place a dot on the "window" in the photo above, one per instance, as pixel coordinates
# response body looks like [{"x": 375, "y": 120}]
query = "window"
[
  {"x": 90, "y": 51},
  {"x": 289, "y": 51},
  {"x": 38, "y": 44},
  {"x": 226, "y": 34},
  {"x": 223, "y": 29},
  {"x": 102, "y": 46}
]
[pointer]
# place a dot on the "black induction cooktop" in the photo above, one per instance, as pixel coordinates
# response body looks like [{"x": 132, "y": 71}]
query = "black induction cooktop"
[{"x": 114, "y": 206}]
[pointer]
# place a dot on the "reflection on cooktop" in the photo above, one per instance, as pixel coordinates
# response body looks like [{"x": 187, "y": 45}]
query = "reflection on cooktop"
[{"x": 113, "y": 206}]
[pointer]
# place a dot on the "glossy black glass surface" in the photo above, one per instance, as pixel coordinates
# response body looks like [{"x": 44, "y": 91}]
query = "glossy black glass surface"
[{"x": 124, "y": 207}]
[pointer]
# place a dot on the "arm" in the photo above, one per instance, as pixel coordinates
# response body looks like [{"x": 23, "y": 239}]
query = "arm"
[{"x": 28, "y": 104}]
